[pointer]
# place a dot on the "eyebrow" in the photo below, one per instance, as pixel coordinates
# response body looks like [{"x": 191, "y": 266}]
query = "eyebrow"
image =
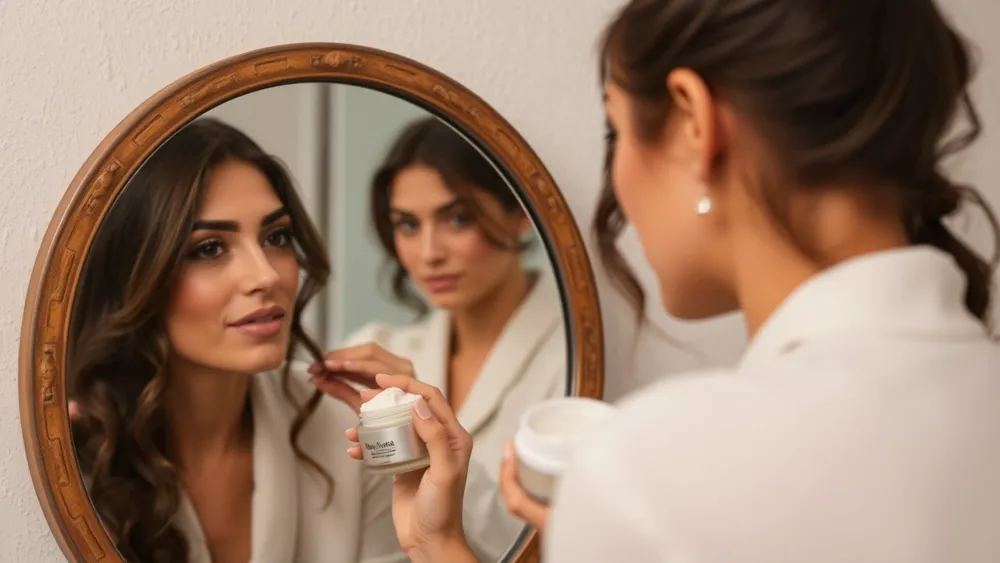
[
  {"x": 225, "y": 225},
  {"x": 450, "y": 206}
]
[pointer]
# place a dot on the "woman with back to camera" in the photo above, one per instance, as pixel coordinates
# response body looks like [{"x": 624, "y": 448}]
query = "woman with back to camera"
[
  {"x": 493, "y": 339},
  {"x": 783, "y": 158},
  {"x": 199, "y": 438}
]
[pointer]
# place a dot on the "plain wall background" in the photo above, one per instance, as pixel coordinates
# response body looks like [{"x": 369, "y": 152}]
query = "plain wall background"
[{"x": 74, "y": 69}]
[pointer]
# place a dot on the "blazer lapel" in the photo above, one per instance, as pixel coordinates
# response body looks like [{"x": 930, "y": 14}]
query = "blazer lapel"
[
  {"x": 186, "y": 520},
  {"x": 538, "y": 315},
  {"x": 430, "y": 354},
  {"x": 326, "y": 532},
  {"x": 275, "y": 497}
]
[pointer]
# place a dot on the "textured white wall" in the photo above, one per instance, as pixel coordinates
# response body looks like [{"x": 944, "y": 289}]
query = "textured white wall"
[{"x": 73, "y": 70}]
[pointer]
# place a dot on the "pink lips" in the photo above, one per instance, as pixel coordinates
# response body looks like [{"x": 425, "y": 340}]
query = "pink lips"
[
  {"x": 262, "y": 323},
  {"x": 440, "y": 284}
]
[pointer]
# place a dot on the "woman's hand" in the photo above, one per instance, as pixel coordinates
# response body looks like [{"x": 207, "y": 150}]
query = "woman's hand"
[
  {"x": 427, "y": 504},
  {"x": 359, "y": 365},
  {"x": 518, "y": 502}
]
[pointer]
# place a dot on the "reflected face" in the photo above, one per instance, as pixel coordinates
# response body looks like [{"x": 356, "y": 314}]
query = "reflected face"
[
  {"x": 232, "y": 303},
  {"x": 440, "y": 244},
  {"x": 657, "y": 186}
]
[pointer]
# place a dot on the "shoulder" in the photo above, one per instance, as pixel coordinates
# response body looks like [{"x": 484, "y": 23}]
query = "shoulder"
[
  {"x": 680, "y": 454},
  {"x": 687, "y": 432},
  {"x": 387, "y": 335}
]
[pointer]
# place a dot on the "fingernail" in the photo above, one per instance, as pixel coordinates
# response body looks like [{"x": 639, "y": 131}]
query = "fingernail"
[
  {"x": 423, "y": 411},
  {"x": 332, "y": 364},
  {"x": 508, "y": 450},
  {"x": 346, "y": 363}
]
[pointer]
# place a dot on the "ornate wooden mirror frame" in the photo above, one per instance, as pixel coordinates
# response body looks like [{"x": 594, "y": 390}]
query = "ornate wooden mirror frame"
[{"x": 42, "y": 378}]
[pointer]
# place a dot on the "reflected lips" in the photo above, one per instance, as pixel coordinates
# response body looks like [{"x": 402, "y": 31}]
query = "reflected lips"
[
  {"x": 262, "y": 322},
  {"x": 439, "y": 284}
]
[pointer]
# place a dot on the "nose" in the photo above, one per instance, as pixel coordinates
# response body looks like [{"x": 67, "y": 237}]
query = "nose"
[
  {"x": 257, "y": 273},
  {"x": 431, "y": 247}
]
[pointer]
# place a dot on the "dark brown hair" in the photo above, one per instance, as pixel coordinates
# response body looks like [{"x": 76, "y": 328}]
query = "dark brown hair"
[
  {"x": 842, "y": 90},
  {"x": 431, "y": 142},
  {"x": 118, "y": 348}
]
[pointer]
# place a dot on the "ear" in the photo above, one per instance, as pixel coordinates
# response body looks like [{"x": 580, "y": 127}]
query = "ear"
[{"x": 697, "y": 111}]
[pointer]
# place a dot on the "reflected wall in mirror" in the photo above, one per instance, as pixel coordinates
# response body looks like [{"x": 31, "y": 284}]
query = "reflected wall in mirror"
[{"x": 261, "y": 265}]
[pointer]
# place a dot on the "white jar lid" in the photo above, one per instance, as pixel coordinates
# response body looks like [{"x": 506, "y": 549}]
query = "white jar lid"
[{"x": 549, "y": 431}]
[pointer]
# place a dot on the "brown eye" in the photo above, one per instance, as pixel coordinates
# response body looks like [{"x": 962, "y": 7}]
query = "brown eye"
[
  {"x": 460, "y": 220},
  {"x": 405, "y": 226},
  {"x": 280, "y": 238},
  {"x": 208, "y": 250}
]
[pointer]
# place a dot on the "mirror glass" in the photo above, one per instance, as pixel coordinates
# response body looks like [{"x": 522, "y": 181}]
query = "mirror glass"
[{"x": 287, "y": 227}]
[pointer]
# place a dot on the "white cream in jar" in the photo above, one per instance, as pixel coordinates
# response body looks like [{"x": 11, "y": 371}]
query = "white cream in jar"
[{"x": 389, "y": 443}]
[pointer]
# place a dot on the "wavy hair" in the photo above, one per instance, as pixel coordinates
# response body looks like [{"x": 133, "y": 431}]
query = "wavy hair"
[
  {"x": 431, "y": 142},
  {"x": 118, "y": 347}
]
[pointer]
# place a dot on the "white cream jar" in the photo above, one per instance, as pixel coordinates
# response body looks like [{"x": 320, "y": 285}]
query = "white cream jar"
[
  {"x": 389, "y": 443},
  {"x": 546, "y": 437}
]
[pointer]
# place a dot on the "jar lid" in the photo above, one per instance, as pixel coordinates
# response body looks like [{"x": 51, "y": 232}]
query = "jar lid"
[{"x": 549, "y": 431}]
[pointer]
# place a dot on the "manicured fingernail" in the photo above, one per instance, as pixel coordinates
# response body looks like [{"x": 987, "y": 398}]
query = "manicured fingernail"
[{"x": 423, "y": 411}]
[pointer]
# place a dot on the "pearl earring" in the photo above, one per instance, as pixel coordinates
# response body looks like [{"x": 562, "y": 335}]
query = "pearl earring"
[{"x": 704, "y": 205}]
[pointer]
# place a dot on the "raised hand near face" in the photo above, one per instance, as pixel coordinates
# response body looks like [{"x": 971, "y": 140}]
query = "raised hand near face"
[{"x": 343, "y": 370}]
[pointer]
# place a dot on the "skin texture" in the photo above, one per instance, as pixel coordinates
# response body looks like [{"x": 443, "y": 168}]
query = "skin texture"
[
  {"x": 157, "y": 367},
  {"x": 737, "y": 256},
  {"x": 436, "y": 235},
  {"x": 444, "y": 249},
  {"x": 240, "y": 260}
]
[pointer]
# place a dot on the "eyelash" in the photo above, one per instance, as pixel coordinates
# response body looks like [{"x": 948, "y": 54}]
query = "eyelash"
[
  {"x": 463, "y": 220},
  {"x": 198, "y": 252}
]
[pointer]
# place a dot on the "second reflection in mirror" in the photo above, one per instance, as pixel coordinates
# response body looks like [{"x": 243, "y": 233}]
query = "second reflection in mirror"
[{"x": 209, "y": 417}]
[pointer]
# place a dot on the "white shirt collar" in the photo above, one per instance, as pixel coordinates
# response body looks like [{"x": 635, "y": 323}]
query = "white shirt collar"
[{"x": 917, "y": 291}]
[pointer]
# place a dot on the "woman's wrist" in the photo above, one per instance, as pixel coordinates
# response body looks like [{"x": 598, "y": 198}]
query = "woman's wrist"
[{"x": 453, "y": 550}]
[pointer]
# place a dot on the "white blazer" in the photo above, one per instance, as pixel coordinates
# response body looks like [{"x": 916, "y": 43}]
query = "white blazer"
[
  {"x": 862, "y": 426},
  {"x": 527, "y": 365},
  {"x": 289, "y": 521}
]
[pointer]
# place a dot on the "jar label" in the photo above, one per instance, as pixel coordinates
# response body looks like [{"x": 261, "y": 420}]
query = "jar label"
[{"x": 389, "y": 446}]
